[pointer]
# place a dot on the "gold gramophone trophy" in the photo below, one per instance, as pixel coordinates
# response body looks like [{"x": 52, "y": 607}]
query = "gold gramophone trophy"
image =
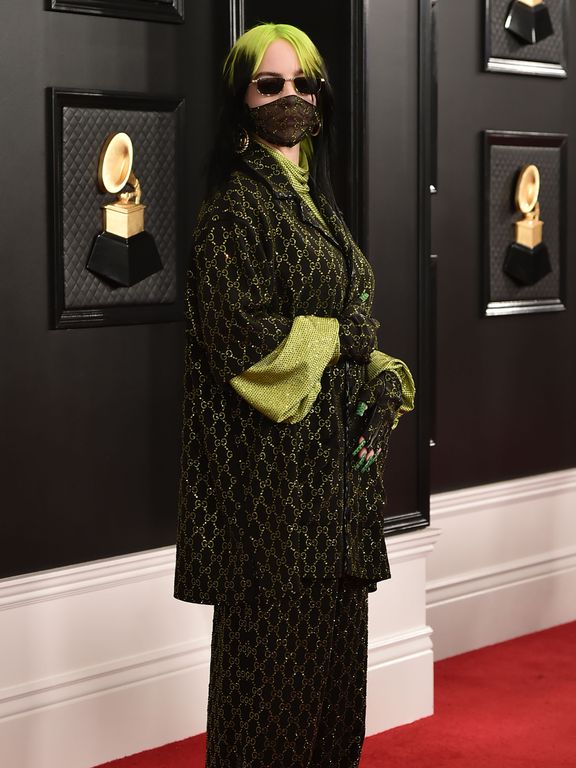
[
  {"x": 529, "y": 20},
  {"x": 124, "y": 253},
  {"x": 527, "y": 259}
]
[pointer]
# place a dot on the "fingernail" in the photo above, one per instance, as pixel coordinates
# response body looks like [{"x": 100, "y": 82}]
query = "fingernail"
[
  {"x": 368, "y": 464},
  {"x": 372, "y": 460},
  {"x": 362, "y": 457}
]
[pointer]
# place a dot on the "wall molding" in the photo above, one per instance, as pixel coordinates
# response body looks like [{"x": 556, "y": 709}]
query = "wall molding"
[
  {"x": 99, "y": 678},
  {"x": 506, "y": 565},
  {"x": 508, "y": 574},
  {"x": 399, "y": 647},
  {"x": 58, "y": 583},
  {"x": 466, "y": 500},
  {"x": 411, "y": 545}
]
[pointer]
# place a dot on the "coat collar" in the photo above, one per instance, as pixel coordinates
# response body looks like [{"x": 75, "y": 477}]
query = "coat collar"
[{"x": 263, "y": 163}]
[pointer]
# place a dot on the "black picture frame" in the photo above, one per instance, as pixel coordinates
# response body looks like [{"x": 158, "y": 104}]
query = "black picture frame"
[
  {"x": 95, "y": 303},
  {"x": 170, "y": 11},
  {"x": 504, "y": 53},
  {"x": 427, "y": 277},
  {"x": 428, "y": 41},
  {"x": 501, "y": 295}
]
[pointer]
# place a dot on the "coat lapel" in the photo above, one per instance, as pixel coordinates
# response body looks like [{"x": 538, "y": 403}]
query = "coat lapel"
[{"x": 261, "y": 161}]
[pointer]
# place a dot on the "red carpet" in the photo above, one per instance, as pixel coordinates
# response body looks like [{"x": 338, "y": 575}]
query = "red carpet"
[{"x": 510, "y": 705}]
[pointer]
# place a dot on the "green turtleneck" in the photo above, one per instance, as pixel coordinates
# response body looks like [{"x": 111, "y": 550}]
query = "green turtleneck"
[{"x": 298, "y": 177}]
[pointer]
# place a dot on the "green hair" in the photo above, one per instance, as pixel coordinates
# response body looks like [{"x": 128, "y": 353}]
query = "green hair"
[
  {"x": 252, "y": 46},
  {"x": 248, "y": 52}
]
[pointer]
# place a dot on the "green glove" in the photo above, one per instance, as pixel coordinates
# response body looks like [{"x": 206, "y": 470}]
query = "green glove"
[{"x": 372, "y": 417}]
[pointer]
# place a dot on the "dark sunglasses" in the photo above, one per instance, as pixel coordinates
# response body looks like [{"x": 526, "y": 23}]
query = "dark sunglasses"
[{"x": 272, "y": 85}]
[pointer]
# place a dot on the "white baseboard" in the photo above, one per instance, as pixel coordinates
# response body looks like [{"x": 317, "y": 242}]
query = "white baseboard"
[
  {"x": 400, "y": 659},
  {"x": 400, "y": 680},
  {"x": 104, "y": 662},
  {"x": 506, "y": 562}
]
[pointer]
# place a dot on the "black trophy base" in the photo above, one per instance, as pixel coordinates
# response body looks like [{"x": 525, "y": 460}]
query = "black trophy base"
[
  {"x": 529, "y": 24},
  {"x": 124, "y": 260},
  {"x": 526, "y": 266}
]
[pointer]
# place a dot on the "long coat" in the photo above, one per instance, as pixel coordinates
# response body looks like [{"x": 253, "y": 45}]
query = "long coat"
[{"x": 264, "y": 504}]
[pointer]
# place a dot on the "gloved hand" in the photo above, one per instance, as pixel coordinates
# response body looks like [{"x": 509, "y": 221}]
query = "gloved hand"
[
  {"x": 373, "y": 416},
  {"x": 357, "y": 335}
]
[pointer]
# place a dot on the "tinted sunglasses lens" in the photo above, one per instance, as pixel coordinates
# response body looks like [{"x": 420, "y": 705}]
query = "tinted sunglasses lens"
[
  {"x": 307, "y": 85},
  {"x": 270, "y": 86}
]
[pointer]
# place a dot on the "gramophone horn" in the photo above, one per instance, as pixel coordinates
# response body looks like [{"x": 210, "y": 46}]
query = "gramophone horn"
[
  {"x": 528, "y": 188},
  {"x": 115, "y": 163}
]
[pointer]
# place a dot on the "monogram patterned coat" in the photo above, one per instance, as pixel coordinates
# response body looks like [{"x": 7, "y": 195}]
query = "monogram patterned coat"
[{"x": 268, "y": 492}]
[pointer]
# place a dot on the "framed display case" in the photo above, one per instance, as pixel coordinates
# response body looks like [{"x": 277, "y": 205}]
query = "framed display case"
[
  {"x": 526, "y": 37},
  {"x": 145, "y": 10},
  {"x": 507, "y": 290},
  {"x": 82, "y": 123}
]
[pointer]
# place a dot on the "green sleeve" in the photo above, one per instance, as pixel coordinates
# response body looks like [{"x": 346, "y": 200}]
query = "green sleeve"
[
  {"x": 284, "y": 384},
  {"x": 379, "y": 361}
]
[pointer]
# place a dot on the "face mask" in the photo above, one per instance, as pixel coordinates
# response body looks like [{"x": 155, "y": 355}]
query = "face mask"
[{"x": 285, "y": 121}]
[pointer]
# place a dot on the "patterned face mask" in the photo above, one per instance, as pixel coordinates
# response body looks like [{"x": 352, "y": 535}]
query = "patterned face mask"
[{"x": 285, "y": 121}]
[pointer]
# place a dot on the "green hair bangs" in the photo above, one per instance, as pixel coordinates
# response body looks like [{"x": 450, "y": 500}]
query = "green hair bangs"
[{"x": 252, "y": 45}]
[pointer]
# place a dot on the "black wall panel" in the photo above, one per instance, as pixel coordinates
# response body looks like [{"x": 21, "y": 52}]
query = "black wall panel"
[
  {"x": 505, "y": 403},
  {"x": 393, "y": 200},
  {"x": 90, "y": 418}
]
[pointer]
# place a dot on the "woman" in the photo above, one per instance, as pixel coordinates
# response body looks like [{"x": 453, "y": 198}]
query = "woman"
[{"x": 287, "y": 412}]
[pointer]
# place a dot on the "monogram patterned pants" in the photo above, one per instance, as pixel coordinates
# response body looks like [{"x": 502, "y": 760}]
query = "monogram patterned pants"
[{"x": 288, "y": 679}]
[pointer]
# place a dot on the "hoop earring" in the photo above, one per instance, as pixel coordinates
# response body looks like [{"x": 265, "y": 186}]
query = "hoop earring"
[
  {"x": 242, "y": 140},
  {"x": 317, "y": 128}
]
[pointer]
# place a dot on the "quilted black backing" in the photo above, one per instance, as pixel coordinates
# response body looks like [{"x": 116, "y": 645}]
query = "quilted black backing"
[
  {"x": 153, "y": 135},
  {"x": 505, "y": 163}
]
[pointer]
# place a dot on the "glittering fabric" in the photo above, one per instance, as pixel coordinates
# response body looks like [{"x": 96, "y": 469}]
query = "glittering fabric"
[
  {"x": 264, "y": 504},
  {"x": 285, "y": 383},
  {"x": 379, "y": 362},
  {"x": 285, "y": 121},
  {"x": 288, "y": 680},
  {"x": 298, "y": 177},
  {"x": 357, "y": 336}
]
